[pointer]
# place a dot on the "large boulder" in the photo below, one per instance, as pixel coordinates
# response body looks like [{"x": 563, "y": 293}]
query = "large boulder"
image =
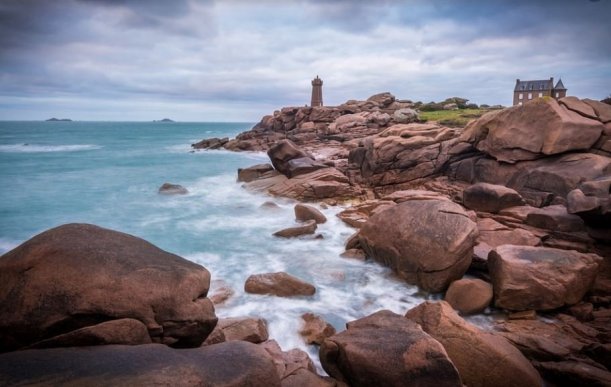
[
  {"x": 386, "y": 349},
  {"x": 282, "y": 152},
  {"x": 278, "y": 284},
  {"x": 382, "y": 99},
  {"x": 490, "y": 197},
  {"x": 80, "y": 275},
  {"x": 539, "y": 128},
  {"x": 482, "y": 359},
  {"x": 294, "y": 367},
  {"x": 321, "y": 184},
  {"x": 253, "y": 173},
  {"x": 541, "y": 278},
  {"x": 232, "y": 364},
  {"x": 427, "y": 242},
  {"x": 405, "y": 116}
]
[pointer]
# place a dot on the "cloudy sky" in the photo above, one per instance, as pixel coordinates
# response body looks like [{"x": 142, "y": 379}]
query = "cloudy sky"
[{"x": 194, "y": 60}]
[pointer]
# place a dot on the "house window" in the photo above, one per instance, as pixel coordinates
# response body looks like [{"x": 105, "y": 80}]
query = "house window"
[
  {"x": 520, "y": 96},
  {"x": 530, "y": 95},
  {"x": 540, "y": 95},
  {"x": 520, "y": 103},
  {"x": 557, "y": 95}
]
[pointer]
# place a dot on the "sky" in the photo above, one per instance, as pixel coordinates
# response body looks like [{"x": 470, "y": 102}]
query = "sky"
[{"x": 205, "y": 60}]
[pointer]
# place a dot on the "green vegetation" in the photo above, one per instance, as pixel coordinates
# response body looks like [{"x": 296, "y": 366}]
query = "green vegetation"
[{"x": 452, "y": 117}]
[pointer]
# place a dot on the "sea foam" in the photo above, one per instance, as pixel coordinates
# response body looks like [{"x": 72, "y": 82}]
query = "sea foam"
[{"x": 34, "y": 148}]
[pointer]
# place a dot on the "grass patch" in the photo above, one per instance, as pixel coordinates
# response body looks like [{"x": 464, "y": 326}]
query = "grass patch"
[{"x": 454, "y": 118}]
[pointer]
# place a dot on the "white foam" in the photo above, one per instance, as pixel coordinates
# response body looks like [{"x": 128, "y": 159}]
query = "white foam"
[
  {"x": 33, "y": 148},
  {"x": 7, "y": 245}
]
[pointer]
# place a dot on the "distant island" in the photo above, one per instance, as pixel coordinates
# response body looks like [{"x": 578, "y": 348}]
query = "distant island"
[
  {"x": 164, "y": 120},
  {"x": 59, "y": 119}
]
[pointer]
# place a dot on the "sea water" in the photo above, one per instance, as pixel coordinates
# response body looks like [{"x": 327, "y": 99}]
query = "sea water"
[{"x": 108, "y": 174}]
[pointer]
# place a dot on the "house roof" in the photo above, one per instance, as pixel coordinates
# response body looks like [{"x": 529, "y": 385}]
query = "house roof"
[
  {"x": 559, "y": 85},
  {"x": 545, "y": 84}
]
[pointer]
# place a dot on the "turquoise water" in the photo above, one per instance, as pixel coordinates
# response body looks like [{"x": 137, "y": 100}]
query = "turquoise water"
[{"x": 108, "y": 173}]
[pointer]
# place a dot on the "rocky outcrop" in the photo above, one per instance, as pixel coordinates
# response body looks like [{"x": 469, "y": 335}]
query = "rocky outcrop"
[
  {"x": 172, "y": 189},
  {"x": 427, "y": 242},
  {"x": 387, "y": 349},
  {"x": 315, "y": 329},
  {"x": 469, "y": 348},
  {"x": 321, "y": 184},
  {"x": 540, "y": 278},
  {"x": 511, "y": 135},
  {"x": 211, "y": 143},
  {"x": 303, "y": 213},
  {"x": 565, "y": 350},
  {"x": 469, "y": 296},
  {"x": 401, "y": 154},
  {"x": 490, "y": 197},
  {"x": 278, "y": 284},
  {"x": 227, "y": 364},
  {"x": 82, "y": 276},
  {"x": 308, "y": 227},
  {"x": 290, "y": 160}
]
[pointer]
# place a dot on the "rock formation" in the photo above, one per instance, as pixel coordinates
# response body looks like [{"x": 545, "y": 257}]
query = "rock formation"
[{"x": 80, "y": 284}]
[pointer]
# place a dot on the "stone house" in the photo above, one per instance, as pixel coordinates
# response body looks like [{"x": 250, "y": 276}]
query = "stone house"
[{"x": 528, "y": 90}]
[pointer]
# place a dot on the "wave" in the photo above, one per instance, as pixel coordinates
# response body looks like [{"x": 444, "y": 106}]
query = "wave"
[{"x": 33, "y": 148}]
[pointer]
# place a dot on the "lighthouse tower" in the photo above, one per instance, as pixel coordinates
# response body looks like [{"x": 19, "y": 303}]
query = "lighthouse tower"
[{"x": 316, "y": 92}]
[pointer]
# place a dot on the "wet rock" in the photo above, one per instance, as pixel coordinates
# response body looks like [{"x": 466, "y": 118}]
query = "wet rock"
[
  {"x": 227, "y": 364},
  {"x": 249, "y": 329},
  {"x": 387, "y": 349},
  {"x": 278, "y": 284},
  {"x": 539, "y": 128},
  {"x": 541, "y": 278},
  {"x": 308, "y": 227},
  {"x": 469, "y": 296},
  {"x": 253, "y": 173},
  {"x": 303, "y": 212},
  {"x": 469, "y": 348},
  {"x": 490, "y": 197},
  {"x": 315, "y": 329},
  {"x": 220, "y": 292},
  {"x": 211, "y": 143},
  {"x": 172, "y": 189},
  {"x": 105, "y": 275},
  {"x": 427, "y": 242},
  {"x": 357, "y": 254}
]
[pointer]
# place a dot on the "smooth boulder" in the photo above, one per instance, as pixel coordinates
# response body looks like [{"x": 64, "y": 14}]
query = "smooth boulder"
[
  {"x": 278, "y": 284},
  {"x": 386, "y": 349},
  {"x": 540, "y": 278},
  {"x": 469, "y": 295},
  {"x": 308, "y": 227},
  {"x": 303, "y": 213},
  {"x": 232, "y": 364},
  {"x": 253, "y": 330},
  {"x": 427, "y": 242},
  {"x": 80, "y": 275},
  {"x": 172, "y": 189},
  {"x": 482, "y": 359}
]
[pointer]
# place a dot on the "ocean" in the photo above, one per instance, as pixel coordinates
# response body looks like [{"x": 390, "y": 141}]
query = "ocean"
[{"x": 108, "y": 174}]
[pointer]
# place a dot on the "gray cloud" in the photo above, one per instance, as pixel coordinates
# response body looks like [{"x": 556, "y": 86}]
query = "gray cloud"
[{"x": 111, "y": 59}]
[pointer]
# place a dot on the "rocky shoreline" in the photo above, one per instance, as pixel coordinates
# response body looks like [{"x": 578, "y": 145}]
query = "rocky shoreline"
[{"x": 512, "y": 212}]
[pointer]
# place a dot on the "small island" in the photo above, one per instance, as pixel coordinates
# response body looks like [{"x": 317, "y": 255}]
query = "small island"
[
  {"x": 59, "y": 119},
  {"x": 164, "y": 120}
]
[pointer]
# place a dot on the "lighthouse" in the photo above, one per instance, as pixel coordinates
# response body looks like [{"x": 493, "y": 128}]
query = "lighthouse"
[{"x": 316, "y": 92}]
